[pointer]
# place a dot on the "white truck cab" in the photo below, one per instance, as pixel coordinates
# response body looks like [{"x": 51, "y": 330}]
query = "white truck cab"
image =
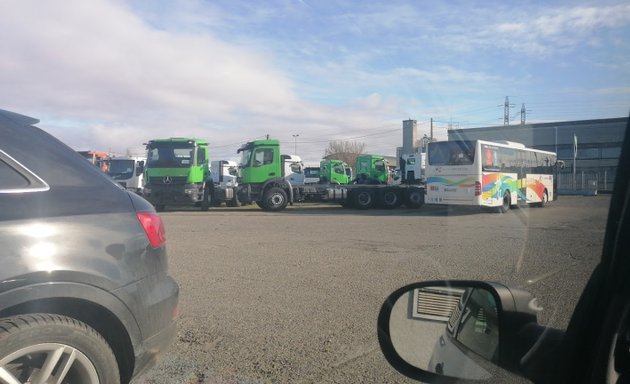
[
  {"x": 224, "y": 172},
  {"x": 128, "y": 171},
  {"x": 293, "y": 169}
]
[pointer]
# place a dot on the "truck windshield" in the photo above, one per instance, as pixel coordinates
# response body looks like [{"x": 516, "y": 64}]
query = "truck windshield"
[
  {"x": 245, "y": 155},
  {"x": 451, "y": 153},
  {"x": 170, "y": 155},
  {"x": 120, "y": 169}
]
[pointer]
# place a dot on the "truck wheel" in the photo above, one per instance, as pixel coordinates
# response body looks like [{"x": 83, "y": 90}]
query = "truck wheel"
[
  {"x": 205, "y": 201},
  {"x": 505, "y": 204},
  {"x": 364, "y": 199},
  {"x": 390, "y": 199},
  {"x": 414, "y": 198},
  {"x": 47, "y": 348},
  {"x": 275, "y": 199}
]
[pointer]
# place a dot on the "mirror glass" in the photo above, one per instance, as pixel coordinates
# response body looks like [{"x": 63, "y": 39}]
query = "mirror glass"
[{"x": 452, "y": 331}]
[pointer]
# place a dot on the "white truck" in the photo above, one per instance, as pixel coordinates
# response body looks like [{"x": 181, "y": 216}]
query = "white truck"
[
  {"x": 128, "y": 171},
  {"x": 311, "y": 173},
  {"x": 225, "y": 178},
  {"x": 411, "y": 168}
]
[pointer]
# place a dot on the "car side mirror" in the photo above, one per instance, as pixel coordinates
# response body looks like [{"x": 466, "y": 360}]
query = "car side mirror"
[{"x": 445, "y": 331}]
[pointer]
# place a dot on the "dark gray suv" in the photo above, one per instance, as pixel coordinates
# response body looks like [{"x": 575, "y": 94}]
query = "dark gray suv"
[{"x": 84, "y": 292}]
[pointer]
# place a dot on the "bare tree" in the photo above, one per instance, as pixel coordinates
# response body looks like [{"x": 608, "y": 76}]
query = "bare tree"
[{"x": 344, "y": 150}]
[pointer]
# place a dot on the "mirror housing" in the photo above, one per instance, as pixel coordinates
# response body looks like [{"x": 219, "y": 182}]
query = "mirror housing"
[{"x": 523, "y": 346}]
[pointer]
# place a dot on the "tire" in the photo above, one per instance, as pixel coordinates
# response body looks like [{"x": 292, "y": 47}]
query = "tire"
[
  {"x": 205, "y": 201},
  {"x": 260, "y": 204},
  {"x": 506, "y": 202},
  {"x": 275, "y": 199},
  {"x": 390, "y": 199},
  {"x": 545, "y": 200},
  {"x": 159, "y": 208},
  {"x": 414, "y": 198},
  {"x": 28, "y": 341},
  {"x": 364, "y": 199}
]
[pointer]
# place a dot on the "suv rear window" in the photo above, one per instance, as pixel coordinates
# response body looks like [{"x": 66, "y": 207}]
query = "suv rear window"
[
  {"x": 14, "y": 177},
  {"x": 11, "y": 179}
]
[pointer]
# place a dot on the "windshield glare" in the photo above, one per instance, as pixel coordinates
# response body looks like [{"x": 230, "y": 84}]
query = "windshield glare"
[
  {"x": 121, "y": 168},
  {"x": 170, "y": 156},
  {"x": 451, "y": 153}
]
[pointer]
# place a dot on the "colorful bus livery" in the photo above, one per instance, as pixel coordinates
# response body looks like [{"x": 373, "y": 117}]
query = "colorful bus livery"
[{"x": 489, "y": 174}]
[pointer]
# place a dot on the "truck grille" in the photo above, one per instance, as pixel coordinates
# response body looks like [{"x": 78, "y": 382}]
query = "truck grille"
[
  {"x": 168, "y": 179},
  {"x": 435, "y": 303}
]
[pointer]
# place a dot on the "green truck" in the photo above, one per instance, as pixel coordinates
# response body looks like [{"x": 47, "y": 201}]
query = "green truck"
[
  {"x": 177, "y": 173},
  {"x": 372, "y": 169},
  {"x": 263, "y": 180},
  {"x": 334, "y": 172}
]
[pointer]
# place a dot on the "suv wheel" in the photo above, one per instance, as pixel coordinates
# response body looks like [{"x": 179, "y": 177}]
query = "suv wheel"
[{"x": 47, "y": 348}]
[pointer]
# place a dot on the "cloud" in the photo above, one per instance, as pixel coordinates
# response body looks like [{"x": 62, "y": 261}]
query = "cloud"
[
  {"x": 551, "y": 29},
  {"x": 97, "y": 61}
]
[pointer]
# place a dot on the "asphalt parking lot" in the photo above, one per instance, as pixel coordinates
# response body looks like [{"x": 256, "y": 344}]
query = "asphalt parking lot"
[{"x": 293, "y": 296}]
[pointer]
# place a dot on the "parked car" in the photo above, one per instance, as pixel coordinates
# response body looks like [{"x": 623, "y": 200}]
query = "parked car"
[
  {"x": 492, "y": 332},
  {"x": 85, "y": 296}
]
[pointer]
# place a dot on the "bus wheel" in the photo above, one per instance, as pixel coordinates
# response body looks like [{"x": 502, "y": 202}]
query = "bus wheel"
[
  {"x": 505, "y": 206},
  {"x": 415, "y": 198},
  {"x": 275, "y": 199},
  {"x": 364, "y": 199},
  {"x": 390, "y": 199},
  {"x": 544, "y": 201}
]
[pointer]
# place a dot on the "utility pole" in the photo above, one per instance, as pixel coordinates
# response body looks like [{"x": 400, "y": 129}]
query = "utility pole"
[
  {"x": 431, "y": 137},
  {"x": 524, "y": 114},
  {"x": 295, "y": 141},
  {"x": 506, "y": 111}
]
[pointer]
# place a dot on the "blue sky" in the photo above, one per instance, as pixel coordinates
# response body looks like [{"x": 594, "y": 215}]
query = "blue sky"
[{"x": 113, "y": 74}]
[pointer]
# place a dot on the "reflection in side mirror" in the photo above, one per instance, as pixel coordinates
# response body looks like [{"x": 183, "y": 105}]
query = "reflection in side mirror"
[{"x": 460, "y": 330}]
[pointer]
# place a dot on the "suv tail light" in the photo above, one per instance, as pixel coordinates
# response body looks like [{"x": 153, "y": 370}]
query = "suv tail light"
[
  {"x": 153, "y": 227},
  {"x": 477, "y": 188}
]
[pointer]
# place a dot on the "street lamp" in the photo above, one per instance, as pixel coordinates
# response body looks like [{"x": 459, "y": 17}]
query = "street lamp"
[{"x": 295, "y": 142}]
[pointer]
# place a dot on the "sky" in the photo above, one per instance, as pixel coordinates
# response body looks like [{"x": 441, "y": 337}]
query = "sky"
[{"x": 109, "y": 75}]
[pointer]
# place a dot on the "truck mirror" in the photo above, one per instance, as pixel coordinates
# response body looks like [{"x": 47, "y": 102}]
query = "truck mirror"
[
  {"x": 472, "y": 330},
  {"x": 140, "y": 168}
]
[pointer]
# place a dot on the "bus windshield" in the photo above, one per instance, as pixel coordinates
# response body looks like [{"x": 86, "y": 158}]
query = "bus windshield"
[{"x": 451, "y": 153}]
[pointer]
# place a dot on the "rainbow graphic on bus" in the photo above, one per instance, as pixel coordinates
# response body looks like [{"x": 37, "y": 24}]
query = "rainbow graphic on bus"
[
  {"x": 463, "y": 183},
  {"x": 493, "y": 185}
]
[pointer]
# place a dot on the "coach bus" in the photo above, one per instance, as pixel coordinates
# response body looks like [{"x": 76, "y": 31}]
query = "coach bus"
[{"x": 489, "y": 174}]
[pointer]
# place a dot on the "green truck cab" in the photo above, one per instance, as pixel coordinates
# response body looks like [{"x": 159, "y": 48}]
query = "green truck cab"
[
  {"x": 334, "y": 172},
  {"x": 177, "y": 173},
  {"x": 372, "y": 169},
  {"x": 262, "y": 172}
]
